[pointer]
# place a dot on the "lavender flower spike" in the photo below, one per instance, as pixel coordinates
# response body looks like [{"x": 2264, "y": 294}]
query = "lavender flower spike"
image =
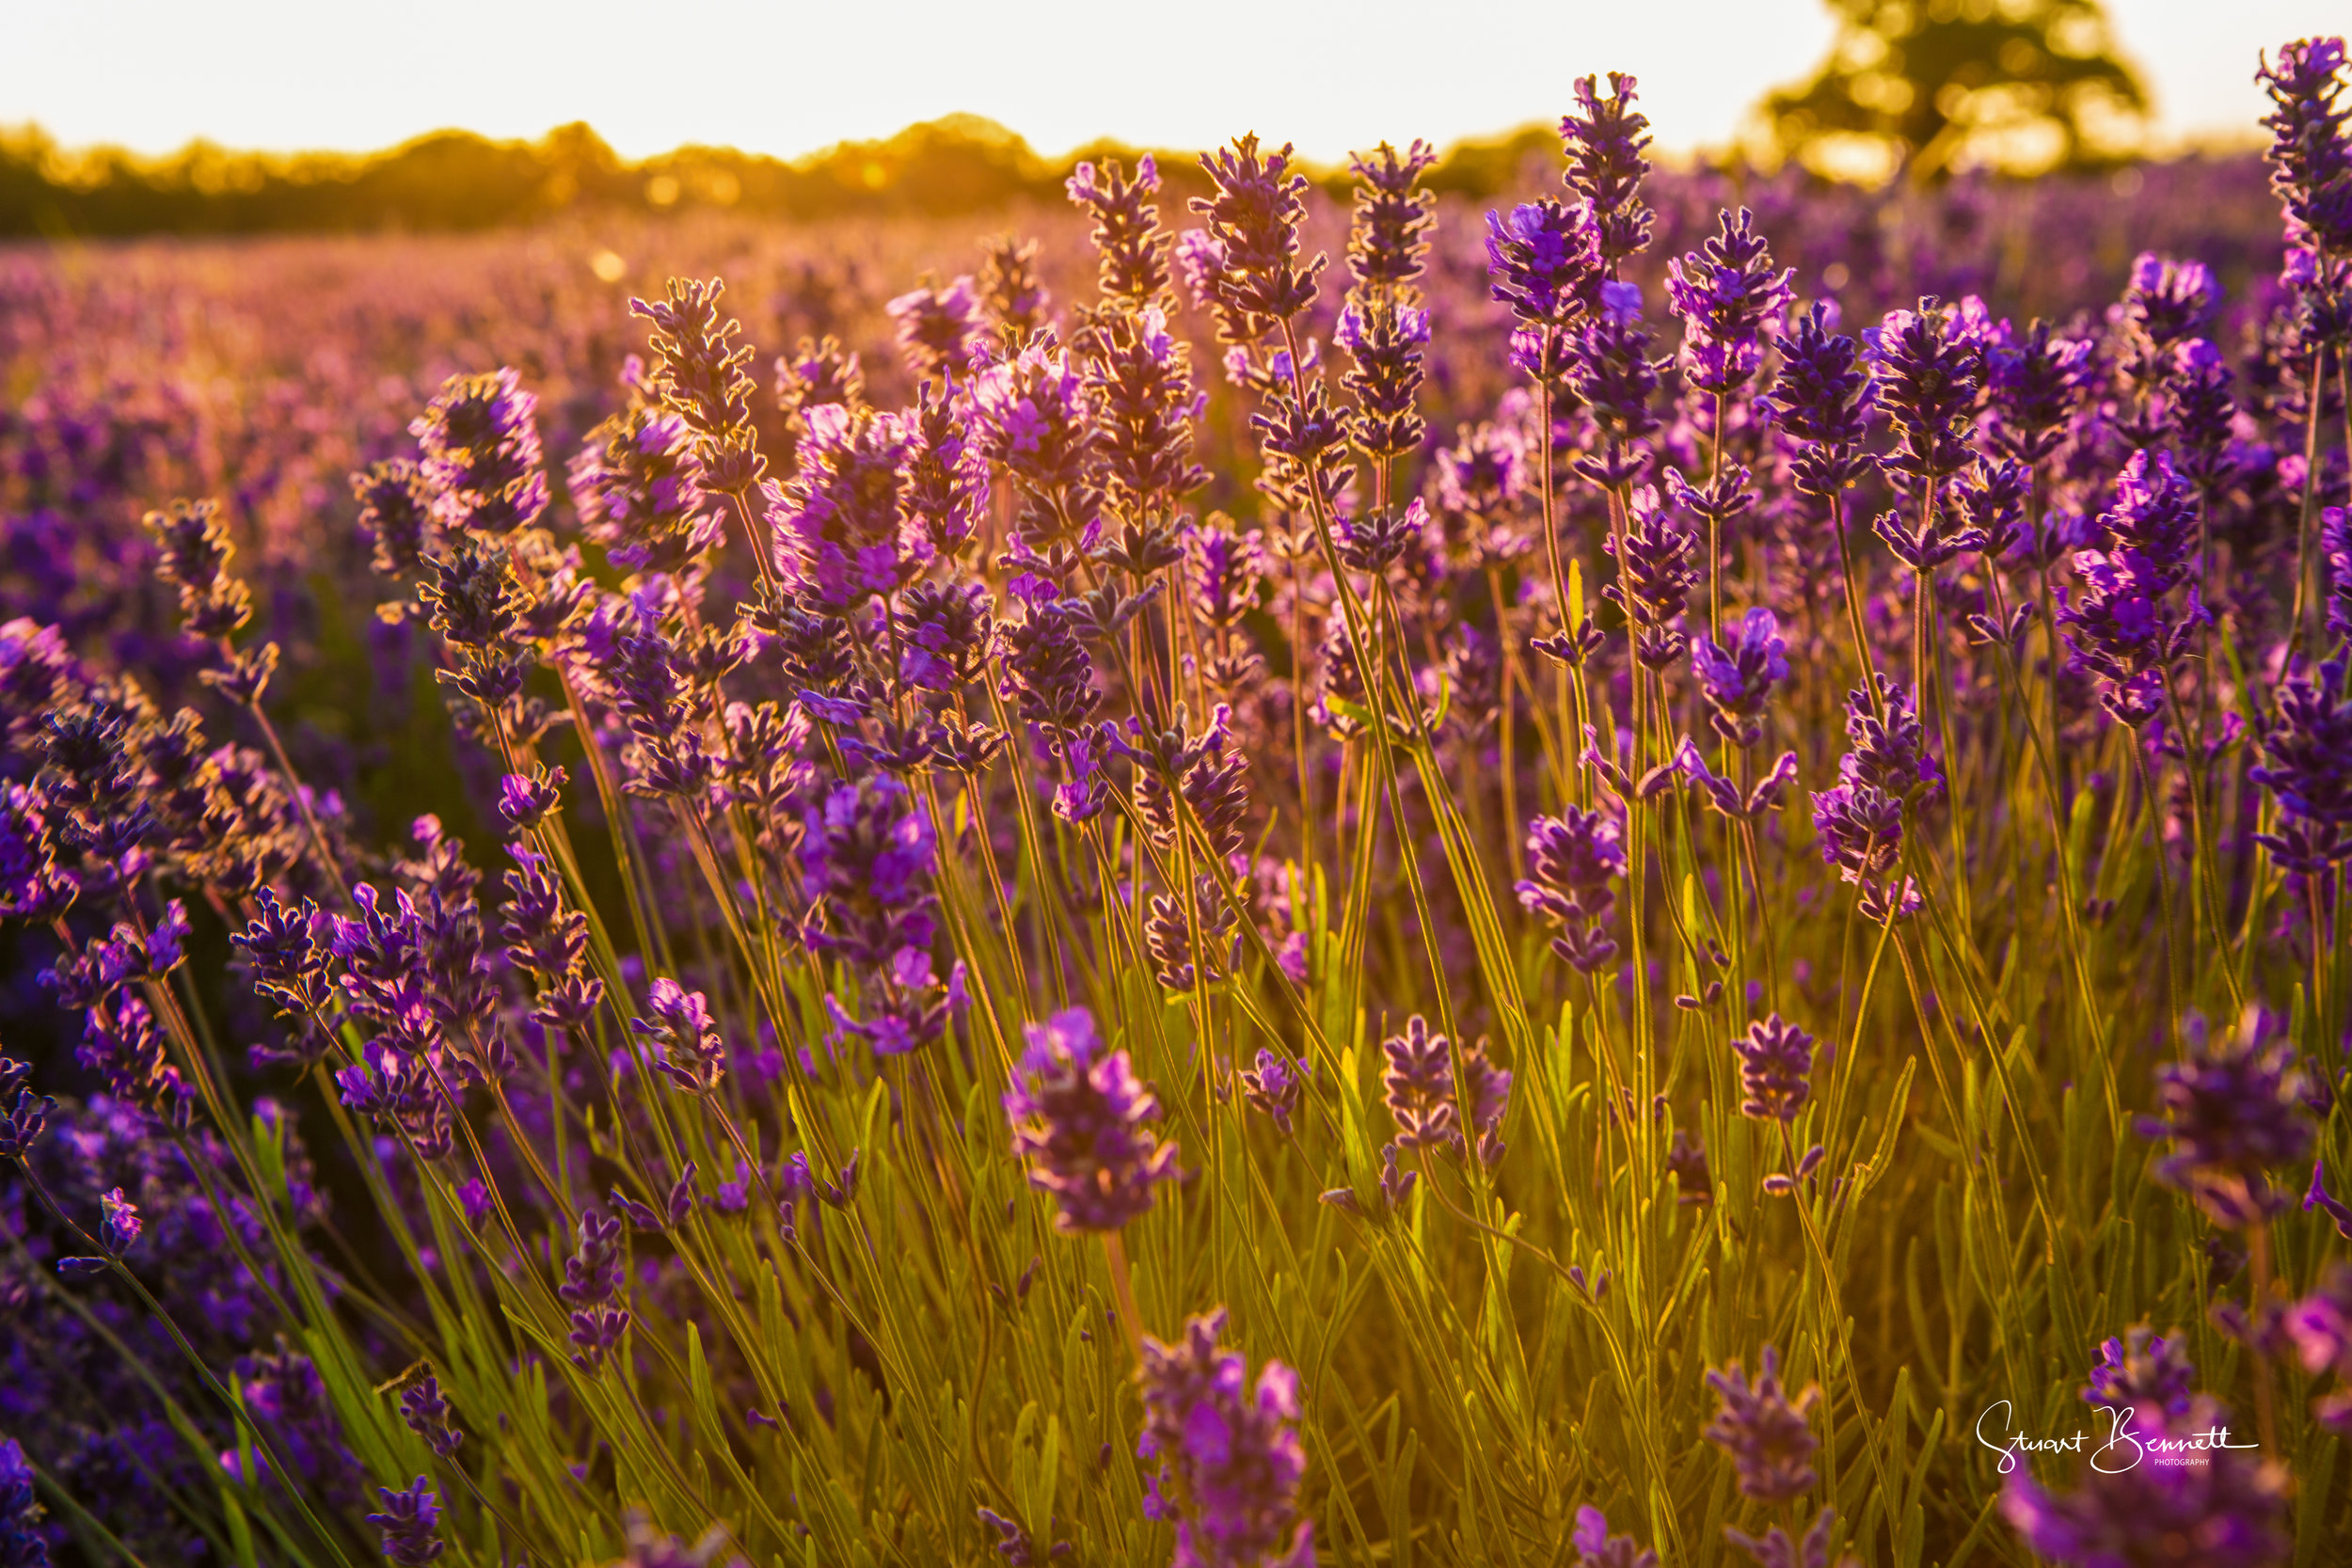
[
  {"x": 1571, "y": 859},
  {"x": 1596, "y": 1549},
  {"x": 1231, "y": 1458},
  {"x": 2233, "y": 1113},
  {"x": 1737, "y": 681},
  {"x": 1770, "y": 1438},
  {"x": 1775, "y": 1057},
  {"x": 407, "y": 1524},
  {"x": 1081, "y": 1121}
]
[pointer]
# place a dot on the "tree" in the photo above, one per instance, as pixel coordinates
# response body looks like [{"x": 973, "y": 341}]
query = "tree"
[{"x": 1932, "y": 87}]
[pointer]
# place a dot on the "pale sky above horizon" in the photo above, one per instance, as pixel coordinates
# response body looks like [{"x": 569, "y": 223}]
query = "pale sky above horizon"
[{"x": 788, "y": 78}]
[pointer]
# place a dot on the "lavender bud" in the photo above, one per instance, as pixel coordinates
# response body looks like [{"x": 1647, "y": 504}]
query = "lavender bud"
[
  {"x": 407, "y": 1524},
  {"x": 1276, "y": 1086},
  {"x": 691, "y": 1054},
  {"x": 426, "y": 1414},
  {"x": 1775, "y": 1059}
]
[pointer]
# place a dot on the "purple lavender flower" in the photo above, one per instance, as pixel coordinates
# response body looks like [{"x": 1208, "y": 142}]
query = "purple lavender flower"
[
  {"x": 2320, "y": 1328},
  {"x": 938, "y": 329},
  {"x": 1031, "y": 417},
  {"x": 549, "y": 943},
  {"x": 1388, "y": 234},
  {"x": 1384, "y": 330},
  {"x": 2311, "y": 149},
  {"x": 1889, "y": 745},
  {"x": 195, "y": 551},
  {"x": 1769, "y": 1438},
  {"x": 698, "y": 372},
  {"x": 120, "y": 1225},
  {"x": 944, "y": 634},
  {"x": 1481, "y": 480},
  {"x": 867, "y": 851},
  {"x": 2167, "y": 301},
  {"x": 403, "y": 1089},
  {"x": 1596, "y": 1549},
  {"x": 1543, "y": 261},
  {"x": 2143, "y": 1368},
  {"x": 1824, "y": 399},
  {"x": 1204, "y": 770},
  {"x": 1729, "y": 299},
  {"x": 2233, "y": 1112},
  {"x": 2034, "y": 383},
  {"x": 1229, "y": 1455},
  {"x": 1929, "y": 368},
  {"x": 1859, "y": 827},
  {"x": 638, "y": 483},
  {"x": 1428, "y": 1085},
  {"x": 407, "y": 1524},
  {"x": 1737, "y": 682},
  {"x": 1604, "y": 139},
  {"x": 1275, "y": 1086},
  {"x": 1254, "y": 219},
  {"x": 2120, "y": 624},
  {"x": 1047, "y": 672},
  {"x": 842, "y": 519},
  {"x": 1138, "y": 377},
  {"x": 691, "y": 1054},
  {"x": 1571, "y": 859},
  {"x": 425, "y": 1412},
  {"x": 593, "y": 1275},
  {"x": 643, "y": 669},
  {"x": 1775, "y": 1062},
  {"x": 33, "y": 887},
  {"x": 1722, "y": 795},
  {"x": 396, "y": 516},
  {"x": 22, "y": 1113},
  {"x": 480, "y": 454},
  {"x": 2307, "y": 766},
  {"x": 1655, "y": 578},
  {"x": 817, "y": 373},
  {"x": 1612, "y": 374},
  {"x": 1082, "y": 1121},
  {"x": 1686, "y": 1162},
  {"x": 1129, "y": 243},
  {"x": 526, "y": 799},
  {"x": 1225, "y": 571},
  {"x": 2202, "y": 412},
  {"x": 946, "y": 478},
  {"x": 2227, "y": 1513},
  {"x": 1776, "y": 1550},
  {"x": 21, "y": 1543},
  {"x": 1419, "y": 1084}
]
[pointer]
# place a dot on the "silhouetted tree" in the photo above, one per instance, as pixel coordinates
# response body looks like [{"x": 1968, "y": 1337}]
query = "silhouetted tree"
[{"x": 1928, "y": 87}]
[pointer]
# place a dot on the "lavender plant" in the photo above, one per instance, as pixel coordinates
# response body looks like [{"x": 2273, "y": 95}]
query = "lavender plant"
[{"x": 1155, "y": 907}]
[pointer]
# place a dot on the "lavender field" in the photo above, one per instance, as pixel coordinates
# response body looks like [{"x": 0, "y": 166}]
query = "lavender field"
[{"x": 1216, "y": 874}]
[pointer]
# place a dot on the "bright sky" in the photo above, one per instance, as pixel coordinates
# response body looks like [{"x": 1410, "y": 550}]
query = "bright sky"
[{"x": 788, "y": 76}]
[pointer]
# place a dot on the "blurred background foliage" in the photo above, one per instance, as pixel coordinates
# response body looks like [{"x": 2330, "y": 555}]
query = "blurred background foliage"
[
  {"x": 1929, "y": 88},
  {"x": 1910, "y": 90}
]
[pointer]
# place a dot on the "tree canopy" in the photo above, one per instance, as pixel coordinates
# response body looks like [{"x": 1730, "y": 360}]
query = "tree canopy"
[{"x": 1928, "y": 87}]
